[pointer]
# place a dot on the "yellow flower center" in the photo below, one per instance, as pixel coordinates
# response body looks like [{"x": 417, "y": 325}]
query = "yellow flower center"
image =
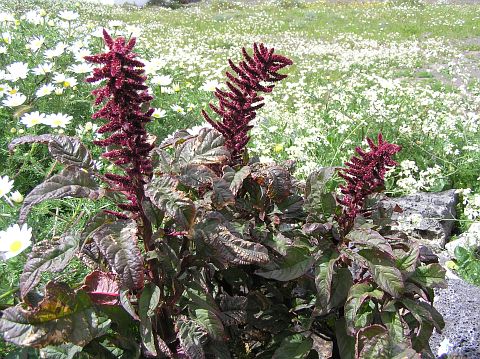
[
  {"x": 66, "y": 84},
  {"x": 15, "y": 246}
]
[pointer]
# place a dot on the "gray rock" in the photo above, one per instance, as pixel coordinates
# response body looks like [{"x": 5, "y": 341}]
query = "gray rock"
[
  {"x": 468, "y": 239},
  {"x": 435, "y": 210},
  {"x": 459, "y": 304}
]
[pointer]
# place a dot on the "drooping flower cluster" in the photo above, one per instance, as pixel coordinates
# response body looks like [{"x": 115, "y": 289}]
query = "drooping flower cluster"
[
  {"x": 364, "y": 175},
  {"x": 128, "y": 144},
  {"x": 238, "y": 106}
]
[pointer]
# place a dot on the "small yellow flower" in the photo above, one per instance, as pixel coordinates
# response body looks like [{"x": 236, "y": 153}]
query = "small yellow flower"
[
  {"x": 13, "y": 130},
  {"x": 42, "y": 13},
  {"x": 176, "y": 87},
  {"x": 21, "y": 131},
  {"x": 278, "y": 148}
]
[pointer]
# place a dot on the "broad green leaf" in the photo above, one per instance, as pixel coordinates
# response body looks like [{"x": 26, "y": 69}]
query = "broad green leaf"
[
  {"x": 221, "y": 195},
  {"x": 324, "y": 270},
  {"x": 47, "y": 256},
  {"x": 71, "y": 182},
  {"x": 318, "y": 199},
  {"x": 147, "y": 306},
  {"x": 341, "y": 283},
  {"x": 205, "y": 149},
  {"x": 62, "y": 351},
  {"x": 397, "y": 328},
  {"x": 429, "y": 276},
  {"x": 374, "y": 342},
  {"x": 62, "y": 316},
  {"x": 163, "y": 194},
  {"x": 197, "y": 176},
  {"x": 357, "y": 296},
  {"x": 67, "y": 150},
  {"x": 369, "y": 238},
  {"x": 407, "y": 261},
  {"x": 227, "y": 242},
  {"x": 118, "y": 244},
  {"x": 370, "y": 342},
  {"x": 238, "y": 178},
  {"x": 294, "y": 347},
  {"x": 384, "y": 272},
  {"x": 191, "y": 337},
  {"x": 424, "y": 312},
  {"x": 295, "y": 264},
  {"x": 127, "y": 305},
  {"x": 345, "y": 342},
  {"x": 211, "y": 322}
]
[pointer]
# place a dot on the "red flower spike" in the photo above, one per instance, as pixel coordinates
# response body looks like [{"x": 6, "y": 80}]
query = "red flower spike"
[
  {"x": 237, "y": 107},
  {"x": 125, "y": 92},
  {"x": 364, "y": 175}
]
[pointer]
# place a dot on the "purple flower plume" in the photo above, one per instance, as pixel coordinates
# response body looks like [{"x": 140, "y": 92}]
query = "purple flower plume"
[
  {"x": 364, "y": 175},
  {"x": 125, "y": 92},
  {"x": 237, "y": 107}
]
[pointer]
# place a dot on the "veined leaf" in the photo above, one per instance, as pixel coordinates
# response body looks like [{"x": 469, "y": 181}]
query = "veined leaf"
[
  {"x": 318, "y": 198},
  {"x": 67, "y": 150},
  {"x": 341, "y": 283},
  {"x": 369, "y": 238},
  {"x": 191, "y": 337},
  {"x": 197, "y": 176},
  {"x": 62, "y": 351},
  {"x": 221, "y": 195},
  {"x": 294, "y": 347},
  {"x": 234, "y": 310},
  {"x": 357, "y": 295},
  {"x": 345, "y": 342},
  {"x": 227, "y": 242},
  {"x": 62, "y": 316},
  {"x": 102, "y": 288},
  {"x": 71, "y": 182},
  {"x": 118, "y": 244},
  {"x": 162, "y": 192},
  {"x": 146, "y": 307},
  {"x": 295, "y": 264},
  {"x": 424, "y": 312},
  {"x": 375, "y": 342},
  {"x": 47, "y": 256},
  {"x": 205, "y": 149},
  {"x": 238, "y": 178},
  {"x": 407, "y": 261},
  {"x": 324, "y": 270},
  {"x": 429, "y": 276},
  {"x": 384, "y": 272}
]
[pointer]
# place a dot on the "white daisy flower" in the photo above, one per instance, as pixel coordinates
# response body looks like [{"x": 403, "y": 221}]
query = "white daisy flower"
[
  {"x": 68, "y": 15},
  {"x": 162, "y": 80},
  {"x": 15, "y": 100},
  {"x": 14, "y": 240},
  {"x": 17, "y": 70},
  {"x": 178, "y": 109},
  {"x": 210, "y": 85},
  {"x": 43, "y": 69},
  {"x": 35, "y": 43},
  {"x": 45, "y": 90},
  {"x": 82, "y": 68},
  {"x": 57, "y": 120},
  {"x": 159, "y": 113},
  {"x": 6, "y": 185},
  {"x": 33, "y": 118}
]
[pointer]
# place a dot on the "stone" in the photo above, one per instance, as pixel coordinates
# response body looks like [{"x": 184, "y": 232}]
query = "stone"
[
  {"x": 459, "y": 305},
  {"x": 468, "y": 239},
  {"x": 432, "y": 214}
]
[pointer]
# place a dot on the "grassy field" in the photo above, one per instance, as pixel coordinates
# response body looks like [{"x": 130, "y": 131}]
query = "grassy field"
[{"x": 409, "y": 71}]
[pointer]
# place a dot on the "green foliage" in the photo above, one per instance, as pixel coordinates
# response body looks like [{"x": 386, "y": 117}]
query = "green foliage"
[{"x": 468, "y": 264}]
